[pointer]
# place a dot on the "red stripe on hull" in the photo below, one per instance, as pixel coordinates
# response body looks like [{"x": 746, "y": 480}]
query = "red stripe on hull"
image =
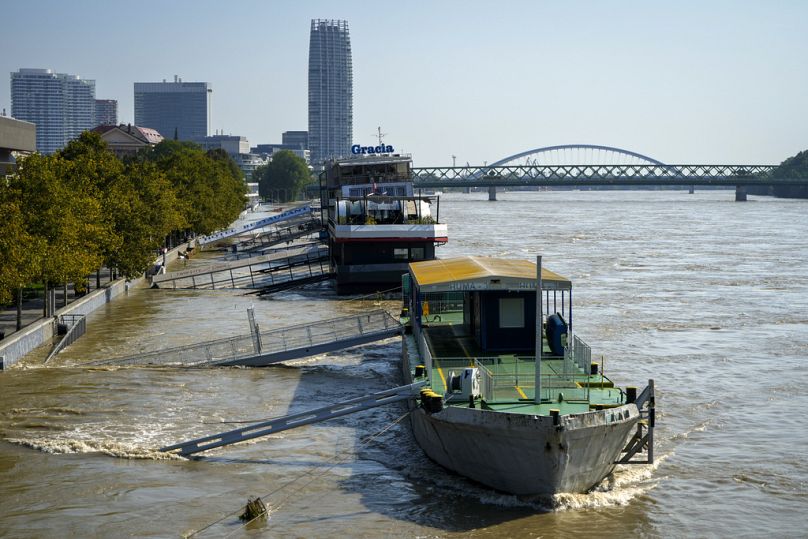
[{"x": 443, "y": 239}]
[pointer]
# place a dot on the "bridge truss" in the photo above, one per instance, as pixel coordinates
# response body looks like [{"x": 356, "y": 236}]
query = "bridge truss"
[
  {"x": 565, "y": 175},
  {"x": 590, "y": 164}
]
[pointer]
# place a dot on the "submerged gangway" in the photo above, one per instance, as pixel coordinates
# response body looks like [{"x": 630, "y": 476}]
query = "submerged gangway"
[
  {"x": 280, "y": 424},
  {"x": 288, "y": 267},
  {"x": 265, "y": 240},
  {"x": 254, "y": 225},
  {"x": 265, "y": 348}
]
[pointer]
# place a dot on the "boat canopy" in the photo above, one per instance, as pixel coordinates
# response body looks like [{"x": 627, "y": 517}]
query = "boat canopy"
[{"x": 470, "y": 273}]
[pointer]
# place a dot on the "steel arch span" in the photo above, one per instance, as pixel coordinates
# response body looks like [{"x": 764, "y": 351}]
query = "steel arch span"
[{"x": 563, "y": 147}]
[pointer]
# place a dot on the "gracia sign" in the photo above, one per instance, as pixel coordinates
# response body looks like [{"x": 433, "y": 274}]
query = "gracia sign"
[{"x": 356, "y": 149}]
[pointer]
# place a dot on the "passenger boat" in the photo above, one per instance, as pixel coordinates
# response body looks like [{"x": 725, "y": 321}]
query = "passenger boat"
[
  {"x": 521, "y": 414},
  {"x": 376, "y": 223}
]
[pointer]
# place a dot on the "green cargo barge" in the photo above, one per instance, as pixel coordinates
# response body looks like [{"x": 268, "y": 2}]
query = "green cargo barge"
[{"x": 490, "y": 411}]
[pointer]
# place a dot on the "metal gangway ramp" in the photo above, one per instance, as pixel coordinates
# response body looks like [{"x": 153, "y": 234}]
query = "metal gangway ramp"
[
  {"x": 292, "y": 267},
  {"x": 291, "y": 421},
  {"x": 254, "y": 225},
  {"x": 265, "y": 348},
  {"x": 265, "y": 240}
]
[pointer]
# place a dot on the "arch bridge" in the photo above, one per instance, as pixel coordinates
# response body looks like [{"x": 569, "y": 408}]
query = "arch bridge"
[{"x": 560, "y": 166}]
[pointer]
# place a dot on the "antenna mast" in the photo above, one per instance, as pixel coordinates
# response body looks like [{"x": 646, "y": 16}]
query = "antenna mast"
[{"x": 379, "y": 134}]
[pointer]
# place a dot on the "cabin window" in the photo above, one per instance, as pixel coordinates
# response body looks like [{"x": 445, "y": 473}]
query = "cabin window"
[
  {"x": 400, "y": 254},
  {"x": 416, "y": 253},
  {"x": 512, "y": 312}
]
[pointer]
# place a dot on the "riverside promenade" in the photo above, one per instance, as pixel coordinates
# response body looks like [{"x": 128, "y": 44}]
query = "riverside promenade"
[
  {"x": 33, "y": 307},
  {"x": 38, "y": 330}
]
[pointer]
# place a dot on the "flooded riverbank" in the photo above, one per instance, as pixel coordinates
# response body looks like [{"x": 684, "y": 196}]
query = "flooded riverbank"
[{"x": 706, "y": 296}]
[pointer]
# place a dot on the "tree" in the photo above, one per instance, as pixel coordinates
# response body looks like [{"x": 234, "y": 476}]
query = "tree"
[
  {"x": 283, "y": 177},
  {"x": 219, "y": 155},
  {"x": 20, "y": 251},
  {"x": 97, "y": 171},
  {"x": 793, "y": 167},
  {"x": 209, "y": 193},
  {"x": 63, "y": 208},
  {"x": 146, "y": 210}
]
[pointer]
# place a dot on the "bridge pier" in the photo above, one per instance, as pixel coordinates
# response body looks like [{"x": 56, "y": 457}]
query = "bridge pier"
[
  {"x": 492, "y": 192},
  {"x": 692, "y": 189},
  {"x": 467, "y": 190},
  {"x": 740, "y": 193}
]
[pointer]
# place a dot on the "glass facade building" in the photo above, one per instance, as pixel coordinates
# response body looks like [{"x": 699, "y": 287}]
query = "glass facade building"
[
  {"x": 61, "y": 105},
  {"x": 330, "y": 90},
  {"x": 173, "y": 107},
  {"x": 106, "y": 112}
]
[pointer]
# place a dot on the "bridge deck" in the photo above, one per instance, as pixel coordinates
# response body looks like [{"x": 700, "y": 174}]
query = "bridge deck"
[{"x": 600, "y": 174}]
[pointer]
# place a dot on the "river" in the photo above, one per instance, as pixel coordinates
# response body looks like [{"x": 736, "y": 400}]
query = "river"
[{"x": 707, "y": 296}]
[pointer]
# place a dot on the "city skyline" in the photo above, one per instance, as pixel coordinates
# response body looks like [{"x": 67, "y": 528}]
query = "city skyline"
[{"x": 683, "y": 83}]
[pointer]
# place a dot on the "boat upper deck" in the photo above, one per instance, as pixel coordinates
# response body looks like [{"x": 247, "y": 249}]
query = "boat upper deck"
[{"x": 508, "y": 380}]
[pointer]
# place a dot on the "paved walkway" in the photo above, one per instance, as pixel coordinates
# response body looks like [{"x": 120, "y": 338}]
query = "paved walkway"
[{"x": 32, "y": 309}]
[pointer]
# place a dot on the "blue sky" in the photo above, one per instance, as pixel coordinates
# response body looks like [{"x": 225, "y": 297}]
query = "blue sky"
[{"x": 686, "y": 81}]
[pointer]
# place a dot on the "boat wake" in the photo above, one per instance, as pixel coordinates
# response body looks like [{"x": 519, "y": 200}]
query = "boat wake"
[{"x": 621, "y": 487}]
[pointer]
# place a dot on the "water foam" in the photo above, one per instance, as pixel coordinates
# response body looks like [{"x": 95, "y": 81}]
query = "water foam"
[{"x": 112, "y": 449}]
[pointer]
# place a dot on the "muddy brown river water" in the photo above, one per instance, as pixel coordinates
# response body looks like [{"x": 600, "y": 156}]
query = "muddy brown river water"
[{"x": 707, "y": 296}]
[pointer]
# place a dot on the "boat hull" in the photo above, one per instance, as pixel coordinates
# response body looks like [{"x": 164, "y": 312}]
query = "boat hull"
[{"x": 524, "y": 454}]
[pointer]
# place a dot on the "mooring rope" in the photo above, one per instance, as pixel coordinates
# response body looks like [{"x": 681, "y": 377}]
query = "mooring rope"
[{"x": 335, "y": 461}]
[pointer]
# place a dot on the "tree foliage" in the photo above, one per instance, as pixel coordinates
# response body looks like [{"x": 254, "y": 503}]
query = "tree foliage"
[
  {"x": 63, "y": 208},
  {"x": 210, "y": 194},
  {"x": 283, "y": 178},
  {"x": 147, "y": 210},
  {"x": 793, "y": 167},
  {"x": 67, "y": 214},
  {"x": 20, "y": 251}
]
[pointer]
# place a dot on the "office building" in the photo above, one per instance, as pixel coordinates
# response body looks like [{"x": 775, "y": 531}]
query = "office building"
[
  {"x": 173, "y": 108},
  {"x": 17, "y": 138},
  {"x": 238, "y": 148},
  {"x": 330, "y": 90},
  {"x": 296, "y": 139},
  {"x": 60, "y": 105},
  {"x": 106, "y": 112},
  {"x": 268, "y": 150},
  {"x": 232, "y": 144}
]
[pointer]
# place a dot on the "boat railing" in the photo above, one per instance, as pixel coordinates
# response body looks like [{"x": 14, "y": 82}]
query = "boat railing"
[
  {"x": 423, "y": 350},
  {"x": 516, "y": 380},
  {"x": 442, "y": 307},
  {"x": 503, "y": 381},
  {"x": 486, "y": 382},
  {"x": 564, "y": 387},
  {"x": 579, "y": 354}
]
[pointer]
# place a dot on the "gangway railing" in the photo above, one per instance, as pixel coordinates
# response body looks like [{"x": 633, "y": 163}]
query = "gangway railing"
[
  {"x": 291, "y": 421},
  {"x": 247, "y": 227},
  {"x": 264, "y": 240},
  {"x": 254, "y": 272},
  {"x": 76, "y": 325},
  {"x": 265, "y": 348}
]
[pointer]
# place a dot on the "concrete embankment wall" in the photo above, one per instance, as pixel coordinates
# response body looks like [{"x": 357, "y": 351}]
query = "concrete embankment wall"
[{"x": 21, "y": 343}]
